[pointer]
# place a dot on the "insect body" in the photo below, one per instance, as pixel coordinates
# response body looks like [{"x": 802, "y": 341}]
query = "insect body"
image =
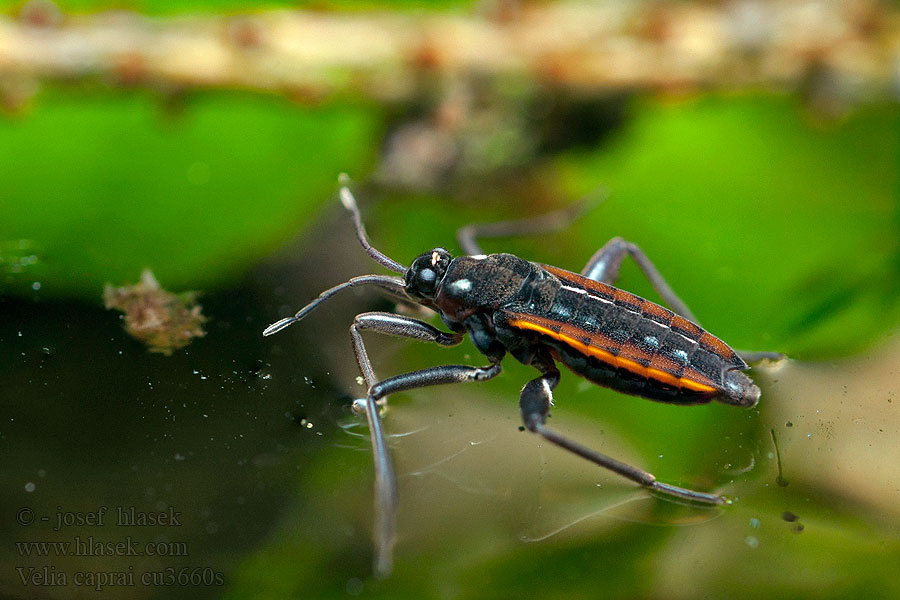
[
  {"x": 607, "y": 335},
  {"x": 539, "y": 314}
]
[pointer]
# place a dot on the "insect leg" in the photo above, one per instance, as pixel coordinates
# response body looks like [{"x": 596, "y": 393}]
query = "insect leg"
[
  {"x": 385, "y": 479},
  {"x": 535, "y": 402},
  {"x": 604, "y": 267},
  {"x": 751, "y": 356},
  {"x": 467, "y": 236},
  {"x": 396, "y": 325}
]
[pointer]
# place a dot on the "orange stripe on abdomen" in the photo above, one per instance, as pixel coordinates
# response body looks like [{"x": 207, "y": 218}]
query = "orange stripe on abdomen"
[{"x": 623, "y": 357}]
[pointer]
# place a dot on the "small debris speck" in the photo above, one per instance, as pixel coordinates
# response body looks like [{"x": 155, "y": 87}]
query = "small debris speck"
[
  {"x": 29, "y": 487},
  {"x": 752, "y": 541}
]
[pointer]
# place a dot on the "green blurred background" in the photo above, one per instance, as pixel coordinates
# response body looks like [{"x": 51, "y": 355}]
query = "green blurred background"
[{"x": 777, "y": 223}]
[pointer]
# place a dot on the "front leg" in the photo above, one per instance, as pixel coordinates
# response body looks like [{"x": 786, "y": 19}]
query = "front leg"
[{"x": 396, "y": 325}]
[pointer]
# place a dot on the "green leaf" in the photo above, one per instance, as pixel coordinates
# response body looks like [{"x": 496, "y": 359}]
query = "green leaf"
[{"x": 105, "y": 186}]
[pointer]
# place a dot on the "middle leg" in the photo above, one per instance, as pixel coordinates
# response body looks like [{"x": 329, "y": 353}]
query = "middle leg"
[
  {"x": 468, "y": 236},
  {"x": 395, "y": 325},
  {"x": 385, "y": 480}
]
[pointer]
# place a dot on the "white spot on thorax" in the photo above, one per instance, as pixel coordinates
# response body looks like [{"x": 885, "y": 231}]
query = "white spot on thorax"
[{"x": 461, "y": 285}]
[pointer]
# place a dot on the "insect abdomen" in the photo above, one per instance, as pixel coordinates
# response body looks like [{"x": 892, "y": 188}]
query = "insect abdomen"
[{"x": 621, "y": 341}]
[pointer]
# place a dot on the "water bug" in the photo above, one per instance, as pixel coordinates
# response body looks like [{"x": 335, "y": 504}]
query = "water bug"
[{"x": 540, "y": 315}]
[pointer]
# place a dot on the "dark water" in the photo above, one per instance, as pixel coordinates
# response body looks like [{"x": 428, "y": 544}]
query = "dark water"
[{"x": 96, "y": 429}]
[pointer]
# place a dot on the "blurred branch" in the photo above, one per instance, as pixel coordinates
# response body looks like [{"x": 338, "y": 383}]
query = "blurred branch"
[{"x": 584, "y": 47}]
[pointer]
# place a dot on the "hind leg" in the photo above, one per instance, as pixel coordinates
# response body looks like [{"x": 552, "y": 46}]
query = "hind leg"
[
  {"x": 534, "y": 403},
  {"x": 604, "y": 267}
]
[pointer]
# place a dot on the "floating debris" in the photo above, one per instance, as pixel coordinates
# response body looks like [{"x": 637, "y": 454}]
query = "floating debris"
[{"x": 162, "y": 320}]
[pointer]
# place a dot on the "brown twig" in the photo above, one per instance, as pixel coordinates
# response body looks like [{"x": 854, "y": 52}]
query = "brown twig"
[{"x": 585, "y": 47}]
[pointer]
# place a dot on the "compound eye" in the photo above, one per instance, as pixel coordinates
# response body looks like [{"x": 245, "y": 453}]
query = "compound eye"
[{"x": 426, "y": 279}]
